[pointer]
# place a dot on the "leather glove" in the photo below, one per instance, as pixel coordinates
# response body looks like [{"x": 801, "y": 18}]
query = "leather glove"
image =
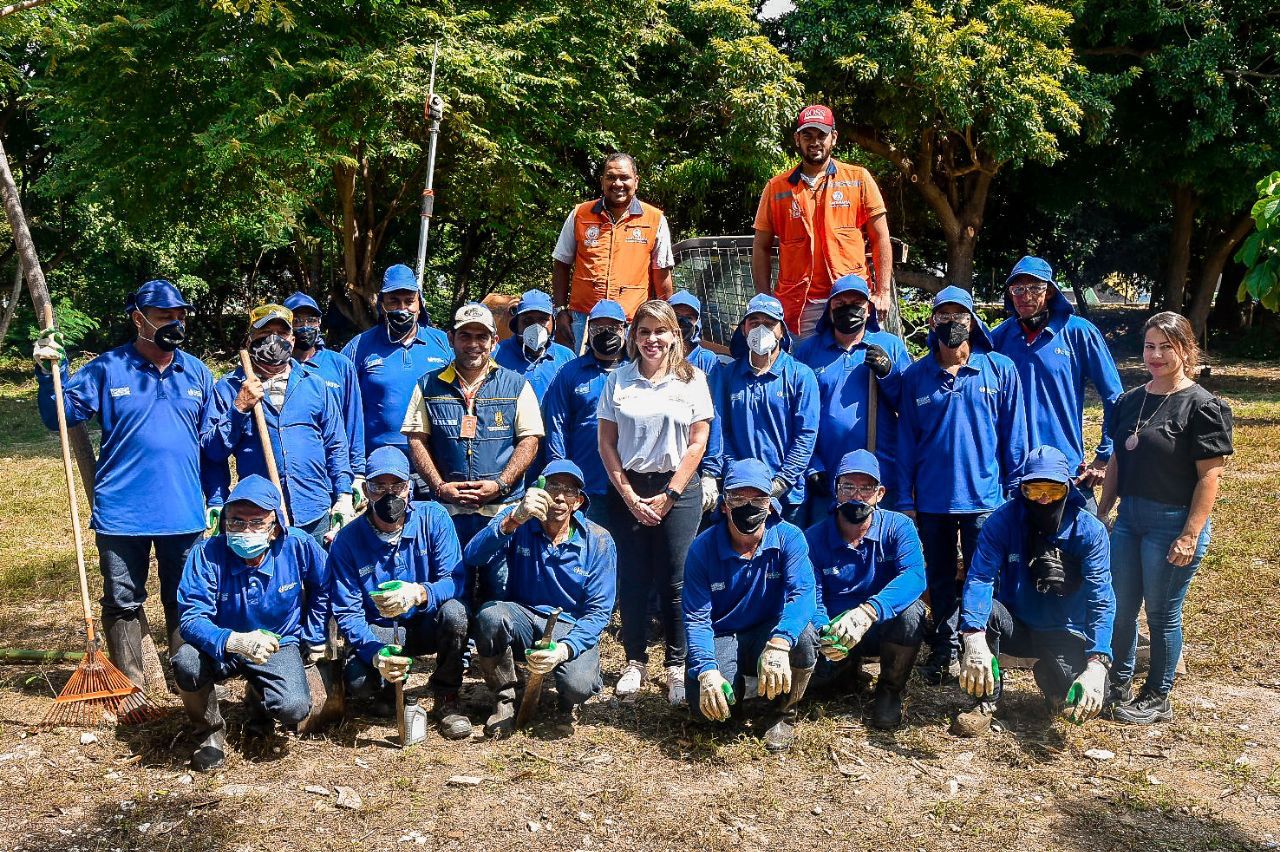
[
  {"x": 878, "y": 361},
  {"x": 314, "y": 654},
  {"x": 817, "y": 484},
  {"x": 396, "y": 597},
  {"x": 391, "y": 665},
  {"x": 1084, "y": 698},
  {"x": 710, "y": 493},
  {"x": 714, "y": 695},
  {"x": 976, "y": 675},
  {"x": 50, "y": 349},
  {"x": 779, "y": 488},
  {"x": 543, "y": 660},
  {"x": 212, "y": 517},
  {"x": 256, "y": 646},
  {"x": 849, "y": 628},
  {"x": 357, "y": 493},
  {"x": 774, "y": 668},
  {"x": 342, "y": 513},
  {"x": 535, "y": 504}
]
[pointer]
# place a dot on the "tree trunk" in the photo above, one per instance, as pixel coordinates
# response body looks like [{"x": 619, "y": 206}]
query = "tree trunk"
[
  {"x": 960, "y": 253},
  {"x": 1179, "y": 260},
  {"x": 1220, "y": 250}
]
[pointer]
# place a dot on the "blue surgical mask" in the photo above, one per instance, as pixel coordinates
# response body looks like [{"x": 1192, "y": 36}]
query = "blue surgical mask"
[{"x": 249, "y": 544}]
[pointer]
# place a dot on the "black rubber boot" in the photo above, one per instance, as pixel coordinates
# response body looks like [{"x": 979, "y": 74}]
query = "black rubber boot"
[
  {"x": 782, "y": 729},
  {"x": 499, "y": 675},
  {"x": 258, "y": 724},
  {"x": 202, "y": 710},
  {"x": 895, "y": 671},
  {"x": 124, "y": 645}
]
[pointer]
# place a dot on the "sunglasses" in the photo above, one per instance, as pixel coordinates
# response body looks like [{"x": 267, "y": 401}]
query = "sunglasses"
[
  {"x": 1024, "y": 289},
  {"x": 1052, "y": 491}
]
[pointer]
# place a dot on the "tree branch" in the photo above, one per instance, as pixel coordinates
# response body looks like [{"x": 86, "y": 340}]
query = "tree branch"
[{"x": 19, "y": 7}]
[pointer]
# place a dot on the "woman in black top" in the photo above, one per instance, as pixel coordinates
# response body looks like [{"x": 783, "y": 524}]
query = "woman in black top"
[{"x": 1172, "y": 438}]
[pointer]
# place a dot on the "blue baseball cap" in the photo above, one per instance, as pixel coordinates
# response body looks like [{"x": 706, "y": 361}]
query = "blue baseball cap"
[
  {"x": 158, "y": 293},
  {"x": 259, "y": 491},
  {"x": 564, "y": 466},
  {"x": 1045, "y": 463},
  {"x": 763, "y": 303},
  {"x": 607, "y": 309},
  {"x": 398, "y": 277},
  {"x": 390, "y": 460},
  {"x": 748, "y": 473},
  {"x": 1036, "y": 267},
  {"x": 531, "y": 302},
  {"x": 301, "y": 300},
  {"x": 859, "y": 461},
  {"x": 684, "y": 297}
]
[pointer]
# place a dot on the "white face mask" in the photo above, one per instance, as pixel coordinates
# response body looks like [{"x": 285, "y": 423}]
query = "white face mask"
[
  {"x": 762, "y": 340},
  {"x": 535, "y": 337}
]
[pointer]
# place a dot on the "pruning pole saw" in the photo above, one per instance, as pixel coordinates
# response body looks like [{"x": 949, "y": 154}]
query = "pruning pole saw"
[{"x": 434, "y": 112}]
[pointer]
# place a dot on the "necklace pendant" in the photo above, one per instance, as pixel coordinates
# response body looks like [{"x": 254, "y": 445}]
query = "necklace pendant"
[{"x": 1131, "y": 443}]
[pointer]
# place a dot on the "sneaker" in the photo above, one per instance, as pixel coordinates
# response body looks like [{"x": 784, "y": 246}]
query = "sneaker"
[
  {"x": 1118, "y": 694},
  {"x": 632, "y": 679},
  {"x": 1146, "y": 710},
  {"x": 675, "y": 686}
]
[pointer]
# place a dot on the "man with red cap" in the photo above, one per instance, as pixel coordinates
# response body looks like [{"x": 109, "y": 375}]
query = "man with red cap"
[{"x": 819, "y": 212}]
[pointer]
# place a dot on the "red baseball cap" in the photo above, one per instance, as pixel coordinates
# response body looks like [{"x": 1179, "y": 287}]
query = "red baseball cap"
[{"x": 817, "y": 116}]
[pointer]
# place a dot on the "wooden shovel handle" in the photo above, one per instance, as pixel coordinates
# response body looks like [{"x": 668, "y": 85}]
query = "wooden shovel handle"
[{"x": 260, "y": 421}]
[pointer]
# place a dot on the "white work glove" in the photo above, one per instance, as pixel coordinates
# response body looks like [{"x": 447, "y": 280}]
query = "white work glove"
[
  {"x": 774, "y": 668},
  {"x": 49, "y": 350},
  {"x": 976, "y": 675},
  {"x": 314, "y": 654},
  {"x": 710, "y": 493},
  {"x": 256, "y": 647},
  {"x": 1091, "y": 684},
  {"x": 543, "y": 660},
  {"x": 392, "y": 667},
  {"x": 849, "y": 628},
  {"x": 535, "y": 504},
  {"x": 340, "y": 515},
  {"x": 395, "y": 602},
  {"x": 212, "y": 515},
  {"x": 357, "y": 493},
  {"x": 714, "y": 695}
]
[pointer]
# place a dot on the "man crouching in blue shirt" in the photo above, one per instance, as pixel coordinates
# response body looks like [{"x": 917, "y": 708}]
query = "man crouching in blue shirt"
[
  {"x": 556, "y": 559},
  {"x": 253, "y": 601},
  {"x": 397, "y": 587},
  {"x": 1039, "y": 586},
  {"x": 748, "y": 603},
  {"x": 870, "y": 571}
]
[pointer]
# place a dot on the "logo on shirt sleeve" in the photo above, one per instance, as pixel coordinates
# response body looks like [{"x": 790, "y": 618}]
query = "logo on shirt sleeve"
[{"x": 119, "y": 392}]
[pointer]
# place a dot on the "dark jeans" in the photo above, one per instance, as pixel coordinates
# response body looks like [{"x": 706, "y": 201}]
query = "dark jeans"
[
  {"x": 1059, "y": 655},
  {"x": 938, "y": 535},
  {"x": 906, "y": 628},
  {"x": 280, "y": 681},
  {"x": 443, "y": 633},
  {"x": 738, "y": 655},
  {"x": 505, "y": 624},
  {"x": 1140, "y": 573},
  {"x": 125, "y": 560},
  {"x": 316, "y": 529},
  {"x": 653, "y": 557},
  {"x": 489, "y": 583}
]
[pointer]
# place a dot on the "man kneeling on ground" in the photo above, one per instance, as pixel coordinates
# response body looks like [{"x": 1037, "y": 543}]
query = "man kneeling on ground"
[
  {"x": 556, "y": 559},
  {"x": 253, "y": 601}
]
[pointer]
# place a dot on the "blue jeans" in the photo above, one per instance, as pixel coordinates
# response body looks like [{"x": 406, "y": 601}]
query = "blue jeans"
[
  {"x": 906, "y": 628},
  {"x": 579, "y": 323},
  {"x": 125, "y": 561},
  {"x": 1140, "y": 573},
  {"x": 505, "y": 624},
  {"x": 938, "y": 536},
  {"x": 317, "y": 529},
  {"x": 443, "y": 633},
  {"x": 738, "y": 655},
  {"x": 490, "y": 580},
  {"x": 280, "y": 680}
]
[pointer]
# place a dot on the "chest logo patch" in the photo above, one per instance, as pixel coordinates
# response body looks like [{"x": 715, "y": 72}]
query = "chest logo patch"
[
  {"x": 287, "y": 587},
  {"x": 717, "y": 587},
  {"x": 498, "y": 420},
  {"x": 195, "y": 393},
  {"x": 838, "y": 199},
  {"x": 582, "y": 390},
  {"x": 116, "y": 393},
  {"x": 593, "y": 235},
  {"x": 922, "y": 400},
  {"x": 636, "y": 236},
  {"x": 795, "y": 209}
]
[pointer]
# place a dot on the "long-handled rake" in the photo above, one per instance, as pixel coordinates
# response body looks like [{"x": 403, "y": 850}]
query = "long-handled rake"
[{"x": 98, "y": 693}]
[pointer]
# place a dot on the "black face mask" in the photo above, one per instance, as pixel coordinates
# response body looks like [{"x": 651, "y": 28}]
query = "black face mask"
[
  {"x": 952, "y": 334},
  {"x": 849, "y": 319},
  {"x": 307, "y": 336},
  {"x": 855, "y": 511},
  {"x": 168, "y": 337},
  {"x": 1036, "y": 321},
  {"x": 400, "y": 323},
  {"x": 271, "y": 351},
  {"x": 747, "y": 518},
  {"x": 390, "y": 508},
  {"x": 607, "y": 344},
  {"x": 1044, "y": 518},
  {"x": 689, "y": 330}
]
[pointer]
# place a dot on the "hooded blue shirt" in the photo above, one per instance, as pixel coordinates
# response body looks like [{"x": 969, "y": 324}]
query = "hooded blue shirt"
[
  {"x": 1053, "y": 368},
  {"x": 844, "y": 390},
  {"x": 339, "y": 376},
  {"x": 569, "y": 413},
  {"x": 388, "y": 371},
  {"x": 886, "y": 569},
  {"x": 286, "y": 594},
  {"x": 726, "y": 593},
  {"x": 962, "y": 438},
  {"x": 577, "y": 575},
  {"x": 999, "y": 568},
  {"x": 427, "y": 553}
]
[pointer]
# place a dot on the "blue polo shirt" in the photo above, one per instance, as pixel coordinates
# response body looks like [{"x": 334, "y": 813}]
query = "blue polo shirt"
[
  {"x": 885, "y": 570},
  {"x": 569, "y": 412},
  {"x": 339, "y": 375},
  {"x": 153, "y": 424},
  {"x": 576, "y": 575},
  {"x": 704, "y": 359},
  {"x": 388, "y": 371},
  {"x": 726, "y": 593},
  {"x": 539, "y": 372}
]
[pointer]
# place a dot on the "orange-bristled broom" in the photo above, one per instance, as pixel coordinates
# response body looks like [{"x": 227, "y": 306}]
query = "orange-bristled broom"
[{"x": 98, "y": 693}]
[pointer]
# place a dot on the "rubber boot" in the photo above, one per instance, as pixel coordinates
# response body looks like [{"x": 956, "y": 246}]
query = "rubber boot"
[
  {"x": 258, "y": 724},
  {"x": 895, "y": 671},
  {"x": 499, "y": 675},
  {"x": 202, "y": 710},
  {"x": 1052, "y": 686},
  {"x": 124, "y": 644},
  {"x": 782, "y": 730}
]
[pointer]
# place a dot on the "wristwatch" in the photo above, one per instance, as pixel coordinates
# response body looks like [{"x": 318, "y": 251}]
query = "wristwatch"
[
  {"x": 504, "y": 490},
  {"x": 672, "y": 493}
]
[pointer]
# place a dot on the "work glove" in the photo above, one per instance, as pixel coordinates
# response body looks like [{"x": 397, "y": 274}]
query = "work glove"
[
  {"x": 256, "y": 646},
  {"x": 535, "y": 504},
  {"x": 710, "y": 493},
  {"x": 817, "y": 484},
  {"x": 314, "y": 654},
  {"x": 50, "y": 349},
  {"x": 714, "y": 695},
  {"x": 878, "y": 361},
  {"x": 212, "y": 517},
  {"x": 848, "y": 629},
  {"x": 976, "y": 674},
  {"x": 543, "y": 660},
  {"x": 357, "y": 493},
  {"x": 393, "y": 599},
  {"x": 1084, "y": 698},
  {"x": 391, "y": 665},
  {"x": 779, "y": 488},
  {"x": 774, "y": 668},
  {"x": 342, "y": 513}
]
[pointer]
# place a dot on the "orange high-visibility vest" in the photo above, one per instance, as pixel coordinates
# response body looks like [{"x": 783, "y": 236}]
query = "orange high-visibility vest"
[
  {"x": 614, "y": 258},
  {"x": 819, "y": 234}
]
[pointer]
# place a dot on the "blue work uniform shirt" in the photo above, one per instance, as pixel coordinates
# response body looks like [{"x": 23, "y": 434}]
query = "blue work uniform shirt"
[
  {"x": 569, "y": 413},
  {"x": 287, "y": 594},
  {"x": 885, "y": 570},
  {"x": 704, "y": 359},
  {"x": 388, "y": 371},
  {"x": 153, "y": 425},
  {"x": 339, "y": 375},
  {"x": 427, "y": 553},
  {"x": 577, "y": 575},
  {"x": 999, "y": 568},
  {"x": 538, "y": 372},
  {"x": 726, "y": 593}
]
